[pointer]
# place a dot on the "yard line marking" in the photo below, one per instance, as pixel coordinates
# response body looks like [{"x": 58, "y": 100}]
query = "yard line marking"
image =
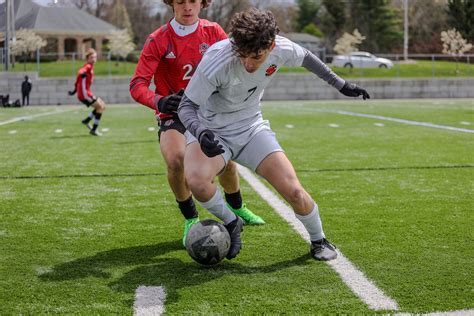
[
  {"x": 393, "y": 119},
  {"x": 149, "y": 300},
  {"x": 464, "y": 312},
  {"x": 365, "y": 289},
  {"x": 29, "y": 117}
]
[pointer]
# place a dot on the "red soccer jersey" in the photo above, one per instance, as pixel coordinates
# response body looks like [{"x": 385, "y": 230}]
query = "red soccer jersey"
[
  {"x": 84, "y": 79},
  {"x": 171, "y": 60}
]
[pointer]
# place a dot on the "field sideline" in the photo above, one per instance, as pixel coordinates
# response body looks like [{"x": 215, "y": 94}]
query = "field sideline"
[{"x": 87, "y": 221}]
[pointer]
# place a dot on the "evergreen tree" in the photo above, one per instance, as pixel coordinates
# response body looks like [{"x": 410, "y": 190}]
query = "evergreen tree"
[
  {"x": 379, "y": 23},
  {"x": 308, "y": 11},
  {"x": 461, "y": 17},
  {"x": 333, "y": 20}
]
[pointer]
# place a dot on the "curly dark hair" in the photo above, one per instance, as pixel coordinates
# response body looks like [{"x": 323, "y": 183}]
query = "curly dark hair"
[
  {"x": 252, "y": 31},
  {"x": 205, "y": 3}
]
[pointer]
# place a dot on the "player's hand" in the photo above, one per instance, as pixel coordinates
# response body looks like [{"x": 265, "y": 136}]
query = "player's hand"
[
  {"x": 209, "y": 145},
  {"x": 73, "y": 92},
  {"x": 170, "y": 103},
  {"x": 352, "y": 90}
]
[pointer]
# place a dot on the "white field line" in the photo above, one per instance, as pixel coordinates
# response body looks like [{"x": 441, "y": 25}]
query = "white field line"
[
  {"x": 393, "y": 119},
  {"x": 465, "y": 312},
  {"x": 29, "y": 117},
  {"x": 149, "y": 301},
  {"x": 366, "y": 290},
  {"x": 386, "y": 118}
]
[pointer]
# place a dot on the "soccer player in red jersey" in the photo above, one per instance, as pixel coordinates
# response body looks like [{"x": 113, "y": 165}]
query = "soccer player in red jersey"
[
  {"x": 85, "y": 77},
  {"x": 170, "y": 56}
]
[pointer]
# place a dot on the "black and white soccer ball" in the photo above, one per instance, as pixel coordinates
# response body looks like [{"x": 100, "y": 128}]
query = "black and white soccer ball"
[{"x": 208, "y": 242}]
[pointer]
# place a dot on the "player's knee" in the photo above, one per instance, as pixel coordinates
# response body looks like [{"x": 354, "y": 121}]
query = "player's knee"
[
  {"x": 297, "y": 197},
  {"x": 231, "y": 168},
  {"x": 175, "y": 165},
  {"x": 197, "y": 179},
  {"x": 100, "y": 105}
]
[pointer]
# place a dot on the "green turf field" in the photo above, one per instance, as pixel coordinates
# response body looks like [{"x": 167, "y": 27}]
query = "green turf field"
[{"x": 85, "y": 221}]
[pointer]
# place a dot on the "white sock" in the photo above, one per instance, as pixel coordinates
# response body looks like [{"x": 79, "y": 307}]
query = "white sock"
[
  {"x": 312, "y": 223},
  {"x": 216, "y": 205}
]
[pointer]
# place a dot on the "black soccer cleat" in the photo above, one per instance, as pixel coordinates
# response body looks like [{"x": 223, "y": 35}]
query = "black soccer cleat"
[
  {"x": 86, "y": 123},
  {"x": 323, "y": 250},
  {"x": 234, "y": 228},
  {"x": 94, "y": 132}
]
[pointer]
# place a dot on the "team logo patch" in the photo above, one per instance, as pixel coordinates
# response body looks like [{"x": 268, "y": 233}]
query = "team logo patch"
[
  {"x": 270, "y": 70},
  {"x": 203, "y": 48}
]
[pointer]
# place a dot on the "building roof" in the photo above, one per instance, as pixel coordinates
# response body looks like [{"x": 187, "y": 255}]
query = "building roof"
[
  {"x": 303, "y": 38},
  {"x": 29, "y": 15}
]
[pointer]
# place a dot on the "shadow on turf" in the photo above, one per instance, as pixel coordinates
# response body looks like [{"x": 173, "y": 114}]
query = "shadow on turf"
[
  {"x": 136, "y": 142},
  {"x": 71, "y": 136},
  {"x": 150, "y": 269}
]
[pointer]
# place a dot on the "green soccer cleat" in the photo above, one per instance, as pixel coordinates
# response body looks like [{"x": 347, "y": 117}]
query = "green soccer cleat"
[
  {"x": 187, "y": 225},
  {"x": 247, "y": 215}
]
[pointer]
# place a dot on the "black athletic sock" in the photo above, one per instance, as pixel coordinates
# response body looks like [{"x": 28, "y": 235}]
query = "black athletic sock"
[
  {"x": 188, "y": 208},
  {"x": 96, "y": 121},
  {"x": 234, "y": 199},
  {"x": 89, "y": 118}
]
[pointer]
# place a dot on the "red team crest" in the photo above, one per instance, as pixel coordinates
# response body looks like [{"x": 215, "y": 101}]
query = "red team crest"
[
  {"x": 203, "y": 48},
  {"x": 270, "y": 70}
]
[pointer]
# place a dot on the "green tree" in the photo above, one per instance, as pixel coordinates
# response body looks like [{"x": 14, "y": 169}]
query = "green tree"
[
  {"x": 333, "y": 19},
  {"x": 312, "y": 29},
  {"x": 379, "y": 22},
  {"x": 308, "y": 11},
  {"x": 461, "y": 17}
]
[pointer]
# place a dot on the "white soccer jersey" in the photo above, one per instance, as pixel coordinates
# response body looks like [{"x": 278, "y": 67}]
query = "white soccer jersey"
[{"x": 228, "y": 96}]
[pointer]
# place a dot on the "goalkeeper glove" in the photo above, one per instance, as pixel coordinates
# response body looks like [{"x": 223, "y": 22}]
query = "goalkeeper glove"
[
  {"x": 169, "y": 104},
  {"x": 352, "y": 90},
  {"x": 209, "y": 145}
]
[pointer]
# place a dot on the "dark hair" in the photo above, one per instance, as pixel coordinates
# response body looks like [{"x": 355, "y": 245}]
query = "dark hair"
[
  {"x": 252, "y": 31},
  {"x": 205, "y": 3}
]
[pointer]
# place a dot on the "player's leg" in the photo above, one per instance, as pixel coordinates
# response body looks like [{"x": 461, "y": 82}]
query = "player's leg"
[
  {"x": 91, "y": 115},
  {"x": 279, "y": 172},
  {"x": 172, "y": 146},
  {"x": 229, "y": 180},
  {"x": 264, "y": 155},
  {"x": 200, "y": 172},
  {"x": 99, "y": 108}
]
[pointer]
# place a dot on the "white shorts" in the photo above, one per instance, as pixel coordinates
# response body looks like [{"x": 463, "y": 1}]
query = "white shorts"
[{"x": 249, "y": 154}]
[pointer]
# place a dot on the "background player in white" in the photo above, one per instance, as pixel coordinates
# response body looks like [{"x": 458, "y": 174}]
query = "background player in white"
[
  {"x": 221, "y": 109},
  {"x": 170, "y": 56}
]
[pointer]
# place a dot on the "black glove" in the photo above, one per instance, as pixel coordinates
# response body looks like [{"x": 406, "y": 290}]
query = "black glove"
[
  {"x": 352, "y": 90},
  {"x": 73, "y": 92},
  {"x": 209, "y": 145},
  {"x": 170, "y": 103}
]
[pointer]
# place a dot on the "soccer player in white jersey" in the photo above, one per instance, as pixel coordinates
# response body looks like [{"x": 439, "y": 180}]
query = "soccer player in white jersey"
[{"x": 221, "y": 112}]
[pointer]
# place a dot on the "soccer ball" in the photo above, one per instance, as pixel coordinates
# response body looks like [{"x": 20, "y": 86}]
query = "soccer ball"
[{"x": 208, "y": 242}]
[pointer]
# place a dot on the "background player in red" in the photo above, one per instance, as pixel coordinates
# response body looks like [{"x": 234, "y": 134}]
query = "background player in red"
[
  {"x": 85, "y": 77},
  {"x": 170, "y": 56}
]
